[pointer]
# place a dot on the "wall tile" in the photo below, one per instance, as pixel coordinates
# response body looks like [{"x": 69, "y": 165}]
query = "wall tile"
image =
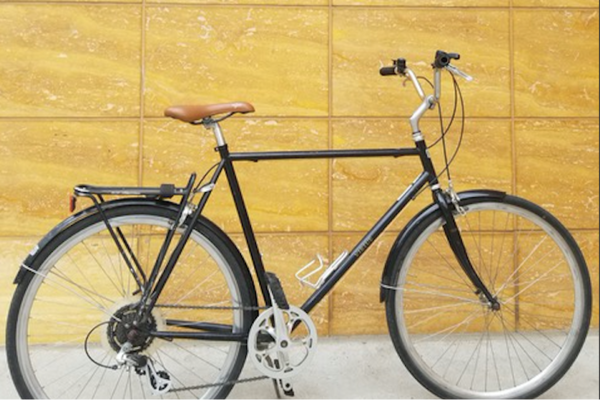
[
  {"x": 73, "y": 60},
  {"x": 555, "y": 3},
  {"x": 356, "y": 307},
  {"x": 42, "y": 161},
  {"x": 275, "y": 58},
  {"x": 12, "y": 253},
  {"x": 247, "y": 2},
  {"x": 366, "y": 39},
  {"x": 557, "y": 167},
  {"x": 364, "y": 189},
  {"x": 550, "y": 41},
  {"x": 424, "y": 3},
  {"x": 285, "y": 255},
  {"x": 280, "y": 195},
  {"x": 81, "y": 1}
]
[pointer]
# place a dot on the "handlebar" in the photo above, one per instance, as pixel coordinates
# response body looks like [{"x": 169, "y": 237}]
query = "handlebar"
[{"x": 442, "y": 61}]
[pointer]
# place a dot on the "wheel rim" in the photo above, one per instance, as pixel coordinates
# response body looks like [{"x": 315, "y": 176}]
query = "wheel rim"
[
  {"x": 474, "y": 351},
  {"x": 190, "y": 364}
]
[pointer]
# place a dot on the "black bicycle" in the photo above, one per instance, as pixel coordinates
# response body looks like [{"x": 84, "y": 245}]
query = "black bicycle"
[{"x": 487, "y": 294}]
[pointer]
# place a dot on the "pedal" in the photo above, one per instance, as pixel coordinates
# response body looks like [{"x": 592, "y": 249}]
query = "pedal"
[
  {"x": 277, "y": 291},
  {"x": 286, "y": 387},
  {"x": 306, "y": 276}
]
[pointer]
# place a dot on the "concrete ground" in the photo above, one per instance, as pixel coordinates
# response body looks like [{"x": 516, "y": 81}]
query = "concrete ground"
[{"x": 368, "y": 367}]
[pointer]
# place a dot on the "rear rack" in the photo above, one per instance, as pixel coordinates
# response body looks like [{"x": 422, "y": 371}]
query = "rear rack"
[{"x": 164, "y": 191}]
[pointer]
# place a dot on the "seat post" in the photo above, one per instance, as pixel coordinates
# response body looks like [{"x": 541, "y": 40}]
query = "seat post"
[{"x": 216, "y": 129}]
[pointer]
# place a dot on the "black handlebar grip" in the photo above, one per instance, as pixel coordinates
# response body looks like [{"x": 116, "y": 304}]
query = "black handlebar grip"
[
  {"x": 388, "y": 71},
  {"x": 442, "y": 59}
]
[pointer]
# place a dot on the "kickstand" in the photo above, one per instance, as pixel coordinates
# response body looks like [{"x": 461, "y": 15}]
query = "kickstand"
[{"x": 277, "y": 391}]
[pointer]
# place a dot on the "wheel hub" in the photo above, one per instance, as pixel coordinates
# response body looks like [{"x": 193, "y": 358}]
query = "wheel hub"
[{"x": 124, "y": 327}]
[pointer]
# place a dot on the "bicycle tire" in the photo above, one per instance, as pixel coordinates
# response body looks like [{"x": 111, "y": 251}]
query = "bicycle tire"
[
  {"x": 528, "y": 333},
  {"x": 29, "y": 347}
]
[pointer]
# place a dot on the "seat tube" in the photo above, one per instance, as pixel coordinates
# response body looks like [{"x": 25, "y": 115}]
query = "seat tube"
[{"x": 249, "y": 235}]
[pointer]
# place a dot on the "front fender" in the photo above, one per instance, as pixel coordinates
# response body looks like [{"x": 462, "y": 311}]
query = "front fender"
[
  {"x": 78, "y": 217},
  {"x": 466, "y": 198}
]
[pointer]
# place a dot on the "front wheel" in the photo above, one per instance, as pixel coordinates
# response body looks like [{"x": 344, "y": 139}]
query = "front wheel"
[
  {"x": 69, "y": 319},
  {"x": 454, "y": 342}
]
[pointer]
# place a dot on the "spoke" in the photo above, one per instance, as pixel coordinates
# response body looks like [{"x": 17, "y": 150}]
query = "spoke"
[
  {"x": 99, "y": 382},
  {"x": 521, "y": 283},
  {"x": 541, "y": 333},
  {"x": 450, "y": 328},
  {"x": 535, "y": 281},
  {"x": 437, "y": 294},
  {"x": 444, "y": 307},
  {"x": 52, "y": 321},
  {"x": 87, "y": 371},
  {"x": 452, "y": 289},
  {"x": 82, "y": 288},
  {"x": 516, "y": 271},
  {"x": 195, "y": 355},
  {"x": 450, "y": 346},
  {"x": 79, "y": 366},
  {"x": 512, "y": 342},
  {"x": 91, "y": 377},
  {"x": 118, "y": 274},
  {"x": 532, "y": 344},
  {"x": 47, "y": 279},
  {"x": 460, "y": 276},
  {"x": 183, "y": 366},
  {"x": 142, "y": 387},
  {"x": 476, "y": 350},
  {"x": 512, "y": 370},
  {"x": 112, "y": 395},
  {"x": 439, "y": 275},
  {"x": 101, "y": 267},
  {"x": 186, "y": 295},
  {"x": 162, "y": 363},
  {"x": 91, "y": 285},
  {"x": 492, "y": 283},
  {"x": 495, "y": 364},
  {"x": 501, "y": 251}
]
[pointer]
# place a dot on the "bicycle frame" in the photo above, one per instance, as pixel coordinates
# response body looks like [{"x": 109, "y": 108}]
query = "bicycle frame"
[
  {"x": 154, "y": 284},
  {"x": 427, "y": 177}
]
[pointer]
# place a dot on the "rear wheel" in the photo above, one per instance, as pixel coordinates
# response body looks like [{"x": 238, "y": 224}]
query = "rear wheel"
[
  {"x": 454, "y": 342},
  {"x": 82, "y": 295}
]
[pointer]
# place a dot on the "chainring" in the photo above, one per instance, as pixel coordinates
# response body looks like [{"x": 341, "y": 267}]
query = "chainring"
[{"x": 266, "y": 352}]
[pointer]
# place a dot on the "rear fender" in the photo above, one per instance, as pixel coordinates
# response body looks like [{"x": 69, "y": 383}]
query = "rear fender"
[{"x": 75, "y": 218}]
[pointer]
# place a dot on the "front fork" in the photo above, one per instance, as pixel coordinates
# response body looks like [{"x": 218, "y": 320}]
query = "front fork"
[{"x": 458, "y": 248}]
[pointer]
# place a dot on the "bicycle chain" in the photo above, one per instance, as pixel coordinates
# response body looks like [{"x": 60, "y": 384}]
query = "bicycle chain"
[
  {"x": 211, "y": 385},
  {"x": 211, "y": 307},
  {"x": 226, "y": 383}
]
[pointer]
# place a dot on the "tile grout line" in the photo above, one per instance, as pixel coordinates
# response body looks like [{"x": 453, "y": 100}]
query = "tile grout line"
[
  {"x": 156, "y": 3},
  {"x": 511, "y": 44},
  {"x": 330, "y": 161},
  {"x": 142, "y": 97}
]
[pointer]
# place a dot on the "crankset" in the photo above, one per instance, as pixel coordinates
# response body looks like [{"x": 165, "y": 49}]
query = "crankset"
[{"x": 282, "y": 340}]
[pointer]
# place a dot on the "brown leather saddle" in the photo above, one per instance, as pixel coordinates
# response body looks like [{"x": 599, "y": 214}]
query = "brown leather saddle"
[{"x": 196, "y": 113}]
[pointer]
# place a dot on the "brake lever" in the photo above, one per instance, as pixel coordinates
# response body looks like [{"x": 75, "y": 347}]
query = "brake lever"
[{"x": 456, "y": 71}]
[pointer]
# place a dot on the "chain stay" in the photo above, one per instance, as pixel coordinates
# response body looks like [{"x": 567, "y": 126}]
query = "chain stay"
[{"x": 212, "y": 385}]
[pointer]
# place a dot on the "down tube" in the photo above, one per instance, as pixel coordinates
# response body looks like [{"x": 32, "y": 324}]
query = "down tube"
[{"x": 367, "y": 241}]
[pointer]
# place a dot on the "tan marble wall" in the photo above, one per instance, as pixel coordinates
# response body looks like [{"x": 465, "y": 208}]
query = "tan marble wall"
[{"x": 83, "y": 84}]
